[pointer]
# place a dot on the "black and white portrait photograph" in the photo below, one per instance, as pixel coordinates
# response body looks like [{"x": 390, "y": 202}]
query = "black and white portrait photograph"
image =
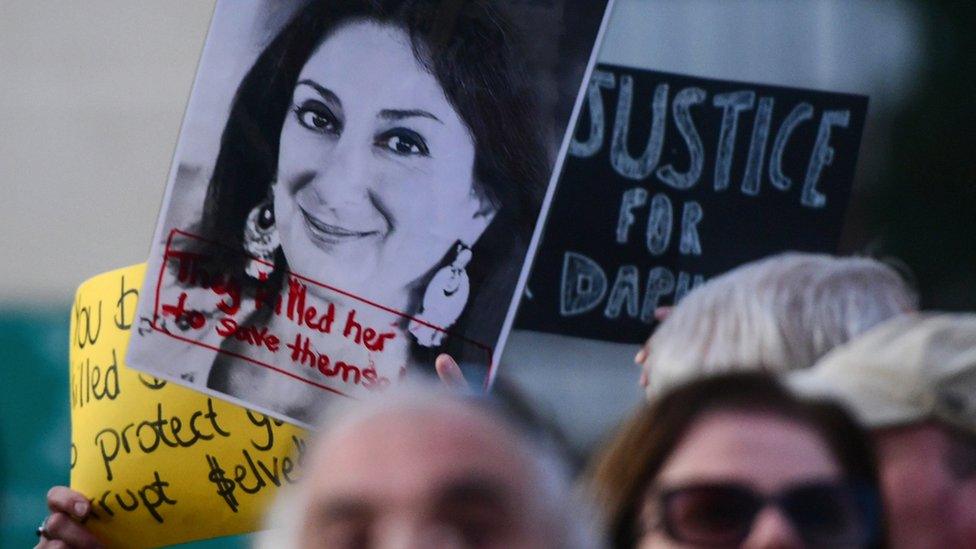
[{"x": 355, "y": 191}]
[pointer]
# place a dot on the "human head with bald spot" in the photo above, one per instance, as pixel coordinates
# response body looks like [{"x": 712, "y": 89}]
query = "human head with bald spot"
[{"x": 421, "y": 467}]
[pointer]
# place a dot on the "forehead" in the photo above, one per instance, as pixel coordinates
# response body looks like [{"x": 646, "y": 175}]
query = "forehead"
[
  {"x": 364, "y": 61},
  {"x": 409, "y": 457},
  {"x": 915, "y": 448},
  {"x": 757, "y": 448}
]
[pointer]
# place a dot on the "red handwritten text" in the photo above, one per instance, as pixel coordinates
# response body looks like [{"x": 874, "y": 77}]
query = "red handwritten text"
[{"x": 252, "y": 335}]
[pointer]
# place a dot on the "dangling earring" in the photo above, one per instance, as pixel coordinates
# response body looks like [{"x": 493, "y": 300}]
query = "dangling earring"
[
  {"x": 261, "y": 240},
  {"x": 444, "y": 300}
]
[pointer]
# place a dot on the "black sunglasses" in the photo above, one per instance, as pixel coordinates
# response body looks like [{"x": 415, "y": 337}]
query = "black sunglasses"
[{"x": 722, "y": 514}]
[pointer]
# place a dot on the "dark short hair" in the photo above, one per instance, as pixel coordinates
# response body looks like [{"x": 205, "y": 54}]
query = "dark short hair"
[
  {"x": 470, "y": 48},
  {"x": 634, "y": 457}
]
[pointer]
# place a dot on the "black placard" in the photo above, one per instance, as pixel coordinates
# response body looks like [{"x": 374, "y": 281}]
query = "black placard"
[{"x": 673, "y": 179}]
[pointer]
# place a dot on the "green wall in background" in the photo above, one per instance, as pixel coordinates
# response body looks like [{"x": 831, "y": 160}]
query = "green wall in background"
[{"x": 34, "y": 421}]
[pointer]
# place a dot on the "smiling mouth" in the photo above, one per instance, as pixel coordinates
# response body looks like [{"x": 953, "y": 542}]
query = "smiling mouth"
[{"x": 332, "y": 234}]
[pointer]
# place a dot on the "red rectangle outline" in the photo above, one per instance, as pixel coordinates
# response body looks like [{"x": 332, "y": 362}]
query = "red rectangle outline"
[{"x": 159, "y": 283}]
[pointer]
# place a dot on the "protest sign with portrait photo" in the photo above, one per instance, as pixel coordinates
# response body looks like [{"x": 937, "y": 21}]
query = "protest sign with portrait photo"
[{"x": 364, "y": 198}]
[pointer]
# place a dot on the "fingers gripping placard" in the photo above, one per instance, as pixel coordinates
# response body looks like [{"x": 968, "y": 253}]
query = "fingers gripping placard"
[{"x": 161, "y": 463}]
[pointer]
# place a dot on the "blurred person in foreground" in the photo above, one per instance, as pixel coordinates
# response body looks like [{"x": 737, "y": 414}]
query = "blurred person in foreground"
[
  {"x": 779, "y": 313},
  {"x": 428, "y": 469},
  {"x": 912, "y": 382},
  {"x": 419, "y": 468},
  {"x": 735, "y": 460}
]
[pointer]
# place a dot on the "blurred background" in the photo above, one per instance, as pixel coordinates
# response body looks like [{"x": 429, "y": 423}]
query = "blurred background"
[{"x": 92, "y": 95}]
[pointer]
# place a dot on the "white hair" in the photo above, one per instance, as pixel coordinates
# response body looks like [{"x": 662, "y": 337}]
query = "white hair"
[
  {"x": 566, "y": 517},
  {"x": 780, "y": 313}
]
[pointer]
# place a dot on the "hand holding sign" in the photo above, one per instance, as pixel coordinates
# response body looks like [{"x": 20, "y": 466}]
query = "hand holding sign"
[
  {"x": 62, "y": 526},
  {"x": 450, "y": 374}
]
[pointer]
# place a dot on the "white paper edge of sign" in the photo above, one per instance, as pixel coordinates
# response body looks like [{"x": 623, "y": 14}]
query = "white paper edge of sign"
[
  {"x": 161, "y": 223},
  {"x": 180, "y": 143},
  {"x": 547, "y": 201}
]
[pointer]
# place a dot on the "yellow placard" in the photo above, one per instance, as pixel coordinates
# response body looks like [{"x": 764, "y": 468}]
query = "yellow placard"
[{"x": 162, "y": 464}]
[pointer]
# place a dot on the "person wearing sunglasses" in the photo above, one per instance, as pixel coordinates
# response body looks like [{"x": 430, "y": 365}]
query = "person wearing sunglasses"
[{"x": 737, "y": 461}]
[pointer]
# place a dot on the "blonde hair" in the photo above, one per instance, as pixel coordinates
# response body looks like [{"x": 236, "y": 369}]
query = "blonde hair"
[{"x": 780, "y": 313}]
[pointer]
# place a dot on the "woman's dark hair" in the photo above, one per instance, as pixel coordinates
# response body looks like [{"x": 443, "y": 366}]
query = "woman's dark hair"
[
  {"x": 469, "y": 47},
  {"x": 621, "y": 475}
]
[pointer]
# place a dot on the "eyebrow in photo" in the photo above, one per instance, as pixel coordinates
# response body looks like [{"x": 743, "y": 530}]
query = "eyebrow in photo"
[{"x": 385, "y": 114}]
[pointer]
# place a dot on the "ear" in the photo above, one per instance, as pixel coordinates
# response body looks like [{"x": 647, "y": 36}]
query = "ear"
[
  {"x": 965, "y": 507},
  {"x": 483, "y": 215}
]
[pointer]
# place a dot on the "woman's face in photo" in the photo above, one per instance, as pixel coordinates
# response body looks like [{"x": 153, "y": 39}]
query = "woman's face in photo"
[{"x": 375, "y": 170}]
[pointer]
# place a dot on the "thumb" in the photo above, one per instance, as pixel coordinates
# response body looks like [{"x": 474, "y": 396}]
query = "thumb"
[{"x": 450, "y": 373}]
